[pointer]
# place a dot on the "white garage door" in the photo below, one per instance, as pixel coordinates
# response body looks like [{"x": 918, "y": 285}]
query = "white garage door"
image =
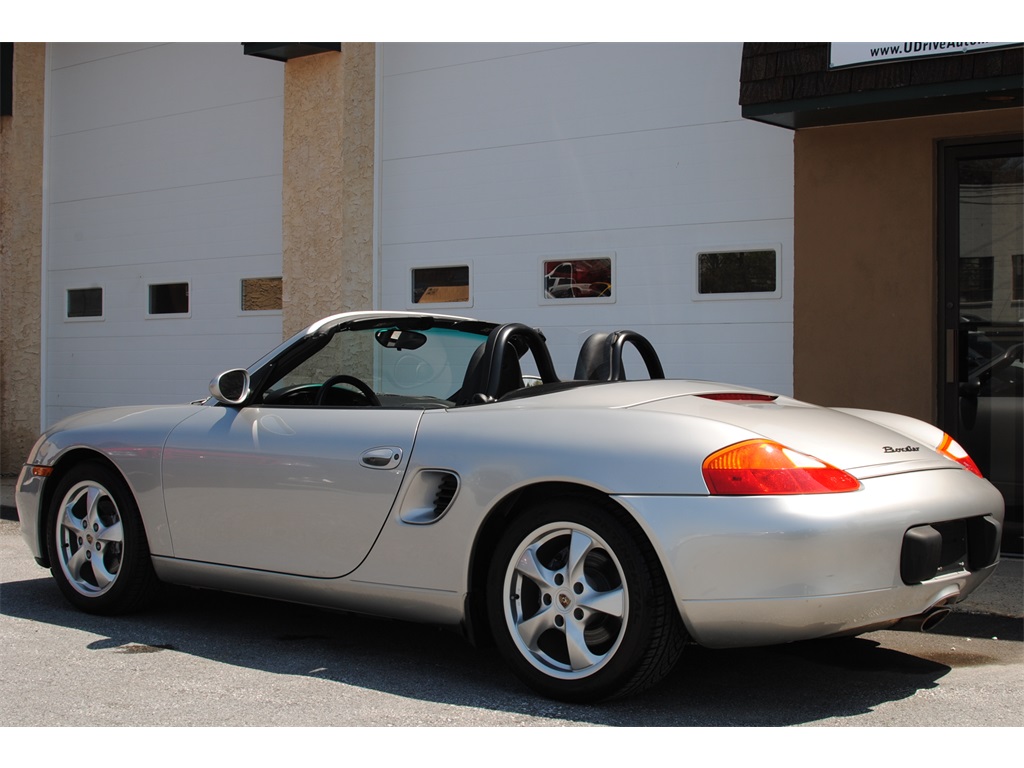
[
  {"x": 163, "y": 200},
  {"x": 586, "y": 187}
]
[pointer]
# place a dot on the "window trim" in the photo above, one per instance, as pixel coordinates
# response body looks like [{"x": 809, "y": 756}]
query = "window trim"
[
  {"x": 572, "y": 301},
  {"x": 167, "y": 315},
  {"x": 89, "y": 318},
  {"x": 695, "y": 254},
  {"x": 427, "y": 306},
  {"x": 242, "y": 312}
]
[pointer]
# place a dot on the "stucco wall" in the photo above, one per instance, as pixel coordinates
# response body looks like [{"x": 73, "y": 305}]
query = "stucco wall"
[
  {"x": 21, "y": 205},
  {"x": 328, "y": 184},
  {"x": 866, "y": 279}
]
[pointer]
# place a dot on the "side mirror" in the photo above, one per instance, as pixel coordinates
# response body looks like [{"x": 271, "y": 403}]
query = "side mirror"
[{"x": 231, "y": 387}]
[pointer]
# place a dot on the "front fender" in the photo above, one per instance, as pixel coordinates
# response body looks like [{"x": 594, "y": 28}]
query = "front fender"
[{"x": 130, "y": 439}]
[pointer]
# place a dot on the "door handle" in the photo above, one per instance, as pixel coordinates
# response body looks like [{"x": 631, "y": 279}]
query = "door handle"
[{"x": 385, "y": 457}]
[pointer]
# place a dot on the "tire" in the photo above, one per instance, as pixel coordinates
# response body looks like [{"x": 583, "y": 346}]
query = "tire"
[
  {"x": 578, "y": 603},
  {"x": 98, "y": 551}
]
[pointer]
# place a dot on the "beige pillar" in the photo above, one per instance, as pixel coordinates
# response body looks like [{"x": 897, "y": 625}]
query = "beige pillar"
[
  {"x": 21, "y": 217},
  {"x": 328, "y": 184}
]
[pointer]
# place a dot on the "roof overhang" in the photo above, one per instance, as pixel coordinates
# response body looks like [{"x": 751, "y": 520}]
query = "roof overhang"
[
  {"x": 287, "y": 51},
  {"x": 890, "y": 104}
]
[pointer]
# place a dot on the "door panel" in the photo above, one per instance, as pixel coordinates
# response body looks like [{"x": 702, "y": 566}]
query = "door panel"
[
  {"x": 289, "y": 490},
  {"x": 983, "y": 301}
]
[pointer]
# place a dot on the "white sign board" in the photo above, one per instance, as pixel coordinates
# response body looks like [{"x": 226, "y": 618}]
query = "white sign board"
[{"x": 854, "y": 54}]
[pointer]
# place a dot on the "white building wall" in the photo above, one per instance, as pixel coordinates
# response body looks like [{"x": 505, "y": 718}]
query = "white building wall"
[
  {"x": 164, "y": 165},
  {"x": 501, "y": 156}
]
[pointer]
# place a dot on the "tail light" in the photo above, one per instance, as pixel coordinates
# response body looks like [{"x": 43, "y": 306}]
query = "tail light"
[
  {"x": 951, "y": 449},
  {"x": 740, "y": 397},
  {"x": 760, "y": 467}
]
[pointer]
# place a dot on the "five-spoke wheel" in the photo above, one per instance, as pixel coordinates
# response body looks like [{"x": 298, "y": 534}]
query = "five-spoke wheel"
[
  {"x": 578, "y": 604},
  {"x": 96, "y": 542},
  {"x": 567, "y": 606},
  {"x": 90, "y": 538}
]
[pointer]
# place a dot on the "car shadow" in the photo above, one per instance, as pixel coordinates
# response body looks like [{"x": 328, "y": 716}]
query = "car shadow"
[{"x": 780, "y": 685}]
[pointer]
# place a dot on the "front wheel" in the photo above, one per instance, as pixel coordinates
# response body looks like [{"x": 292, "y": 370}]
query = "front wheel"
[
  {"x": 98, "y": 551},
  {"x": 579, "y": 605}
]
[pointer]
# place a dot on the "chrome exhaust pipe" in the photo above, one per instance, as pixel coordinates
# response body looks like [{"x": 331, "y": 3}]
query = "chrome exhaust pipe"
[{"x": 930, "y": 619}]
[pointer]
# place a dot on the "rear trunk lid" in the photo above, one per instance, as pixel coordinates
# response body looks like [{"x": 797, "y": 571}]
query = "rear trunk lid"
[{"x": 854, "y": 441}]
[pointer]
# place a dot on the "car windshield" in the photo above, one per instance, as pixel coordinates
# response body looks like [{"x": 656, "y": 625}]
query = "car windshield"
[{"x": 401, "y": 365}]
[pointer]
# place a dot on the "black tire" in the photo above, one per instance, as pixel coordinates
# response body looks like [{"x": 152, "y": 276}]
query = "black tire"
[
  {"x": 578, "y": 603},
  {"x": 98, "y": 551}
]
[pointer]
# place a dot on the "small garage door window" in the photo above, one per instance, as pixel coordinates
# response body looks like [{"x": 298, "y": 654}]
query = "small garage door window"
[
  {"x": 582, "y": 279},
  {"x": 261, "y": 294},
  {"x": 169, "y": 299},
  {"x": 85, "y": 303},
  {"x": 746, "y": 274},
  {"x": 441, "y": 285}
]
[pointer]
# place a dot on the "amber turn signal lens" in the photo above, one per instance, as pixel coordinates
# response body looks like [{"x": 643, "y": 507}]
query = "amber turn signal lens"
[
  {"x": 951, "y": 449},
  {"x": 764, "y": 467}
]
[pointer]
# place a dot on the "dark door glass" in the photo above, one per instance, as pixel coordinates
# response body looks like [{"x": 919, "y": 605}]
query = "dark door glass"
[{"x": 983, "y": 392}]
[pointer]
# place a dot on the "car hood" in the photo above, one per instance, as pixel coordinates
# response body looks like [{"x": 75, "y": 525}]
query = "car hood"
[{"x": 864, "y": 443}]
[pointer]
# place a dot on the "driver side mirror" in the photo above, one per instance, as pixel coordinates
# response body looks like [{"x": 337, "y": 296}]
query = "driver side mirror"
[{"x": 231, "y": 387}]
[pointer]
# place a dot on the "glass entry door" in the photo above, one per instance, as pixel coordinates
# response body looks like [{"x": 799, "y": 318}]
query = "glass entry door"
[{"x": 982, "y": 282}]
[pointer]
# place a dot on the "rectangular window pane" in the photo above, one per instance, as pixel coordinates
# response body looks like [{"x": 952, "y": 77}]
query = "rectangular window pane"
[
  {"x": 437, "y": 285},
  {"x": 260, "y": 294},
  {"x": 168, "y": 299},
  {"x": 1017, "y": 289},
  {"x": 976, "y": 280},
  {"x": 737, "y": 272},
  {"x": 85, "y": 302},
  {"x": 578, "y": 279}
]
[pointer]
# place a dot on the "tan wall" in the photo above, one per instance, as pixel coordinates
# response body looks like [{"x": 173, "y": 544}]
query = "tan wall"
[
  {"x": 328, "y": 184},
  {"x": 21, "y": 211},
  {"x": 866, "y": 279}
]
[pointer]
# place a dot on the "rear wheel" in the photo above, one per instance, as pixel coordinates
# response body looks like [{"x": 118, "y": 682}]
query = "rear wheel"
[
  {"x": 579, "y": 605},
  {"x": 98, "y": 551}
]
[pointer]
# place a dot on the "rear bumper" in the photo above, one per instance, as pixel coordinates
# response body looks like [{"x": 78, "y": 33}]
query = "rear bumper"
[{"x": 758, "y": 570}]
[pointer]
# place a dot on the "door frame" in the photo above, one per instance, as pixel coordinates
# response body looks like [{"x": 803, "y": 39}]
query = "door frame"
[{"x": 947, "y": 265}]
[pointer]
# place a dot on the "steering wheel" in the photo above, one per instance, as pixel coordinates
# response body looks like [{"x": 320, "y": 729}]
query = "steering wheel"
[{"x": 362, "y": 386}]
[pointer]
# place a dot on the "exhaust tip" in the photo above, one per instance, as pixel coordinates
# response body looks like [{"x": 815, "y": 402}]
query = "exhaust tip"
[{"x": 933, "y": 618}]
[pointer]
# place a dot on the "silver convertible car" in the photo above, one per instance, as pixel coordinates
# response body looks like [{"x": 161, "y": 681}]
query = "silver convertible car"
[{"x": 436, "y": 469}]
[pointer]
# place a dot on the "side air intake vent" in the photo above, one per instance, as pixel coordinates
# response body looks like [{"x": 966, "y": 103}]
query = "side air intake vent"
[
  {"x": 431, "y": 494},
  {"x": 446, "y": 491}
]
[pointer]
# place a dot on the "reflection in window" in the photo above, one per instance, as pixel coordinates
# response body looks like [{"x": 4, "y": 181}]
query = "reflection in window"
[
  {"x": 737, "y": 272},
  {"x": 440, "y": 285},
  {"x": 260, "y": 294},
  {"x": 168, "y": 299},
  {"x": 578, "y": 278},
  {"x": 85, "y": 302},
  {"x": 976, "y": 280},
  {"x": 991, "y": 198},
  {"x": 1017, "y": 291}
]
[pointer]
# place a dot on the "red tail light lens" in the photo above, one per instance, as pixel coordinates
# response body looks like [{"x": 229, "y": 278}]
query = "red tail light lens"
[
  {"x": 761, "y": 467},
  {"x": 740, "y": 397},
  {"x": 951, "y": 449}
]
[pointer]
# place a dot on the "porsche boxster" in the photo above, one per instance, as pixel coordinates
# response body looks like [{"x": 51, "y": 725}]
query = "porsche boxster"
[{"x": 436, "y": 469}]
